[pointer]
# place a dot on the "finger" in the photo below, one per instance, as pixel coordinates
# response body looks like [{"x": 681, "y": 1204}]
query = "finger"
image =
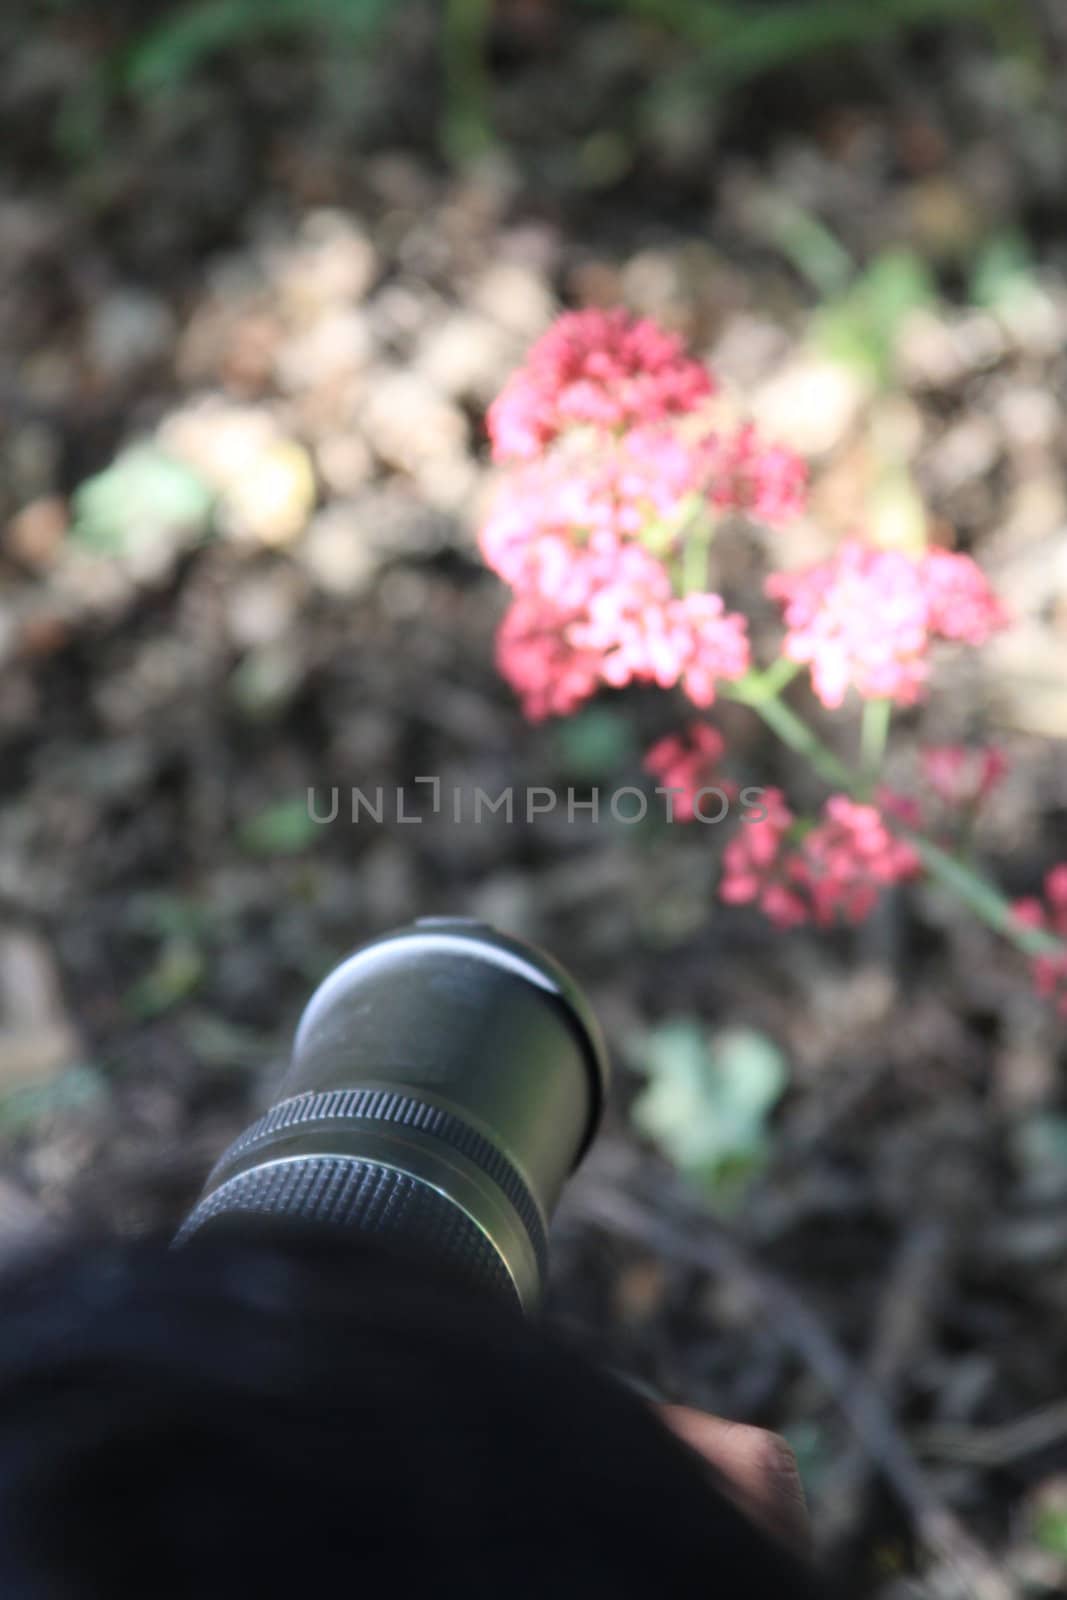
[{"x": 759, "y": 1467}]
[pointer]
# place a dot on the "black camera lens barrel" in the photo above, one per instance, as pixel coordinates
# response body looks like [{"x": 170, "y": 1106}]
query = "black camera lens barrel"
[{"x": 444, "y": 1082}]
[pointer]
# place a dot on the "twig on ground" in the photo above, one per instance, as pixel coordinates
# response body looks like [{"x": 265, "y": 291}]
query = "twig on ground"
[
  {"x": 996, "y": 1446},
  {"x": 902, "y": 1322}
]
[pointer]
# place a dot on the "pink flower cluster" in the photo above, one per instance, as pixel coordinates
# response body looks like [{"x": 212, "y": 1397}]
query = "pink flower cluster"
[
  {"x": 600, "y": 369},
  {"x": 834, "y": 871},
  {"x": 685, "y": 765},
  {"x": 601, "y": 525},
  {"x": 866, "y": 618},
  {"x": 579, "y": 497},
  {"x": 613, "y": 619},
  {"x": 597, "y": 506},
  {"x": 1049, "y": 971},
  {"x": 754, "y": 865}
]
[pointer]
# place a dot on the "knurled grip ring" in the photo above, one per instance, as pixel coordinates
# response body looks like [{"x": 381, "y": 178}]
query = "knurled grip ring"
[
  {"x": 346, "y": 1192},
  {"x": 366, "y": 1106}
]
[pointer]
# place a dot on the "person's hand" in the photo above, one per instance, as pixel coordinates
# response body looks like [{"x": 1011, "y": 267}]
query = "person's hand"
[{"x": 758, "y": 1467}]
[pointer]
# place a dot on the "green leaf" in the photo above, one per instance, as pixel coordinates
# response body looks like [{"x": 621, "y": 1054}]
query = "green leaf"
[
  {"x": 808, "y": 245},
  {"x": 177, "y": 972},
  {"x": 860, "y": 329},
  {"x": 594, "y": 742},
  {"x": 1003, "y": 273},
  {"x": 1050, "y": 1531},
  {"x": 79, "y": 1088},
  {"x": 283, "y": 829},
  {"x": 164, "y": 915},
  {"x": 708, "y": 1100},
  {"x": 167, "y": 54},
  {"x": 143, "y": 492},
  {"x": 741, "y": 41}
]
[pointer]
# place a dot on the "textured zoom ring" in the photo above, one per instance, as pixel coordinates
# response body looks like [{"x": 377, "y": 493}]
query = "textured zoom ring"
[
  {"x": 345, "y": 1192},
  {"x": 398, "y": 1110}
]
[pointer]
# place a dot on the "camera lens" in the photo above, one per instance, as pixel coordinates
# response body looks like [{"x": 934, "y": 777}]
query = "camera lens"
[{"x": 444, "y": 1081}]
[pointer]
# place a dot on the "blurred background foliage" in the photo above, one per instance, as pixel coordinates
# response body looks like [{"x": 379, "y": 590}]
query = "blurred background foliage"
[{"x": 696, "y": 53}]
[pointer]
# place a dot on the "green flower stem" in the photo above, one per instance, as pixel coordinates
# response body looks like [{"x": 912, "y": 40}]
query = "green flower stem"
[
  {"x": 778, "y": 674},
  {"x": 760, "y": 691},
  {"x": 985, "y": 901},
  {"x": 695, "y": 553},
  {"x": 752, "y": 690},
  {"x": 874, "y": 731}
]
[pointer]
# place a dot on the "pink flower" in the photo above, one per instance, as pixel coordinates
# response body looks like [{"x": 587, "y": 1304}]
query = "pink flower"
[
  {"x": 1049, "y": 972},
  {"x": 600, "y": 369},
  {"x": 837, "y": 870},
  {"x": 752, "y": 865},
  {"x": 963, "y": 778},
  {"x": 891, "y": 803},
  {"x": 656, "y": 470},
  {"x": 768, "y": 482},
  {"x": 1030, "y": 912},
  {"x": 550, "y": 677},
  {"x": 847, "y": 859},
  {"x": 960, "y": 602},
  {"x": 713, "y": 645},
  {"x": 588, "y": 523},
  {"x": 1050, "y": 979},
  {"x": 1056, "y": 890},
  {"x": 859, "y": 618},
  {"x": 616, "y": 621},
  {"x": 584, "y": 493},
  {"x": 642, "y": 633},
  {"x": 686, "y": 764},
  {"x": 866, "y": 618}
]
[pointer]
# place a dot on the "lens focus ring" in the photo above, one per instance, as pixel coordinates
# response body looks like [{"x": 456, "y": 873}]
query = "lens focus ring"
[
  {"x": 345, "y": 1192},
  {"x": 366, "y": 1106}
]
